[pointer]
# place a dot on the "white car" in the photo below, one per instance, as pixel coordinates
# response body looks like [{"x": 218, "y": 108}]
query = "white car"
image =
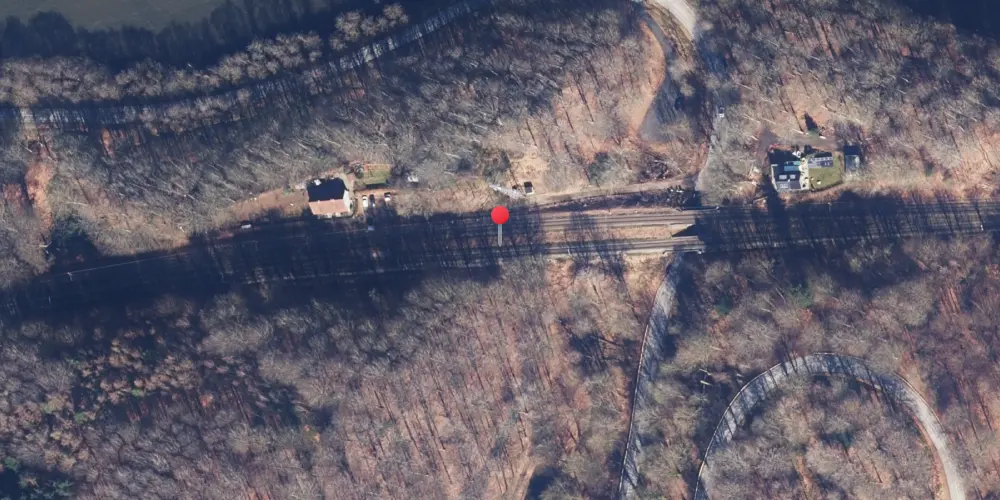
[
  {"x": 388, "y": 197},
  {"x": 364, "y": 202}
]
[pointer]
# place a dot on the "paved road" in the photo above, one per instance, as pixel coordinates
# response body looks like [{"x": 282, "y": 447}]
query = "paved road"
[
  {"x": 683, "y": 13},
  {"x": 761, "y": 387},
  {"x": 649, "y": 364},
  {"x": 738, "y": 229}
]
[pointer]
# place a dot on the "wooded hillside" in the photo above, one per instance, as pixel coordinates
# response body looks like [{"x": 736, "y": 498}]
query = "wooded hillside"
[
  {"x": 924, "y": 309},
  {"x": 461, "y": 386},
  {"x": 566, "y": 83},
  {"x": 920, "y": 97}
]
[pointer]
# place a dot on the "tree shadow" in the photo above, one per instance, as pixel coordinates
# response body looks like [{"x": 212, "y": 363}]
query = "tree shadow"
[{"x": 850, "y": 220}]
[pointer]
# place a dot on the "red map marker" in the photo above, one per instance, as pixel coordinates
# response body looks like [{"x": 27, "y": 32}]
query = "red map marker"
[{"x": 500, "y": 215}]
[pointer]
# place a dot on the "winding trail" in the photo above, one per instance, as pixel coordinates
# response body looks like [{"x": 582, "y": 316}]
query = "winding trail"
[
  {"x": 649, "y": 365},
  {"x": 687, "y": 18},
  {"x": 761, "y": 387}
]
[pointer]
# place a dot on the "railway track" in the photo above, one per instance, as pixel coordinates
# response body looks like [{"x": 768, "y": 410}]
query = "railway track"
[
  {"x": 310, "y": 250},
  {"x": 332, "y": 252}
]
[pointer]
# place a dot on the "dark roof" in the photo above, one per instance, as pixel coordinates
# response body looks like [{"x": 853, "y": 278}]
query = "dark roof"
[
  {"x": 786, "y": 180},
  {"x": 327, "y": 189},
  {"x": 788, "y": 185},
  {"x": 821, "y": 161},
  {"x": 788, "y": 168}
]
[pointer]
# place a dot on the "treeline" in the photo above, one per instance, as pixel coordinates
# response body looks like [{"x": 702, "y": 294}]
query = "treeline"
[
  {"x": 65, "y": 81},
  {"x": 448, "y": 388},
  {"x": 200, "y": 44}
]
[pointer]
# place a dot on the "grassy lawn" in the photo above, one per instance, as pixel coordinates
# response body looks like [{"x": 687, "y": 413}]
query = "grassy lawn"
[
  {"x": 375, "y": 174},
  {"x": 822, "y": 178}
]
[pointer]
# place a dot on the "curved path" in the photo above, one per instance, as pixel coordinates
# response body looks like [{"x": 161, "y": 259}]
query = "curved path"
[
  {"x": 649, "y": 365},
  {"x": 761, "y": 387},
  {"x": 683, "y": 13}
]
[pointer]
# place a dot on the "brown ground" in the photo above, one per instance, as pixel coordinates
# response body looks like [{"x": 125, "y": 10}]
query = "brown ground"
[
  {"x": 585, "y": 121},
  {"x": 603, "y": 112},
  {"x": 286, "y": 201},
  {"x": 36, "y": 180},
  {"x": 289, "y": 201},
  {"x": 564, "y": 392},
  {"x": 466, "y": 195},
  {"x": 579, "y": 126}
]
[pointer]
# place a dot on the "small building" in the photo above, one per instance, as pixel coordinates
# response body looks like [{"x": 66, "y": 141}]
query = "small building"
[
  {"x": 329, "y": 198},
  {"x": 529, "y": 188},
  {"x": 787, "y": 177},
  {"x": 820, "y": 160},
  {"x": 852, "y": 162}
]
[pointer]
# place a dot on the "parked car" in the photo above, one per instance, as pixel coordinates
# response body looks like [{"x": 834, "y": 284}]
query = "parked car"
[
  {"x": 721, "y": 112},
  {"x": 371, "y": 200},
  {"x": 388, "y": 197},
  {"x": 364, "y": 202}
]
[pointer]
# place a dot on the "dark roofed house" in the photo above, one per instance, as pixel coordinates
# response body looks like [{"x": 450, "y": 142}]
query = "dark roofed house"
[
  {"x": 329, "y": 198},
  {"x": 787, "y": 177}
]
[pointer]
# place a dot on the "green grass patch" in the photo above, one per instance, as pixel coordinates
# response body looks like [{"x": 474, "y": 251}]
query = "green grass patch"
[
  {"x": 723, "y": 304},
  {"x": 822, "y": 178},
  {"x": 801, "y": 296},
  {"x": 374, "y": 175}
]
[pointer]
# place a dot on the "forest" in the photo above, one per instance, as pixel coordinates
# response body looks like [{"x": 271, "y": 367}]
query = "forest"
[
  {"x": 845, "y": 442},
  {"x": 916, "y": 93},
  {"x": 922, "y": 309},
  {"x": 508, "y": 78},
  {"x": 487, "y": 383},
  {"x": 452, "y": 386}
]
